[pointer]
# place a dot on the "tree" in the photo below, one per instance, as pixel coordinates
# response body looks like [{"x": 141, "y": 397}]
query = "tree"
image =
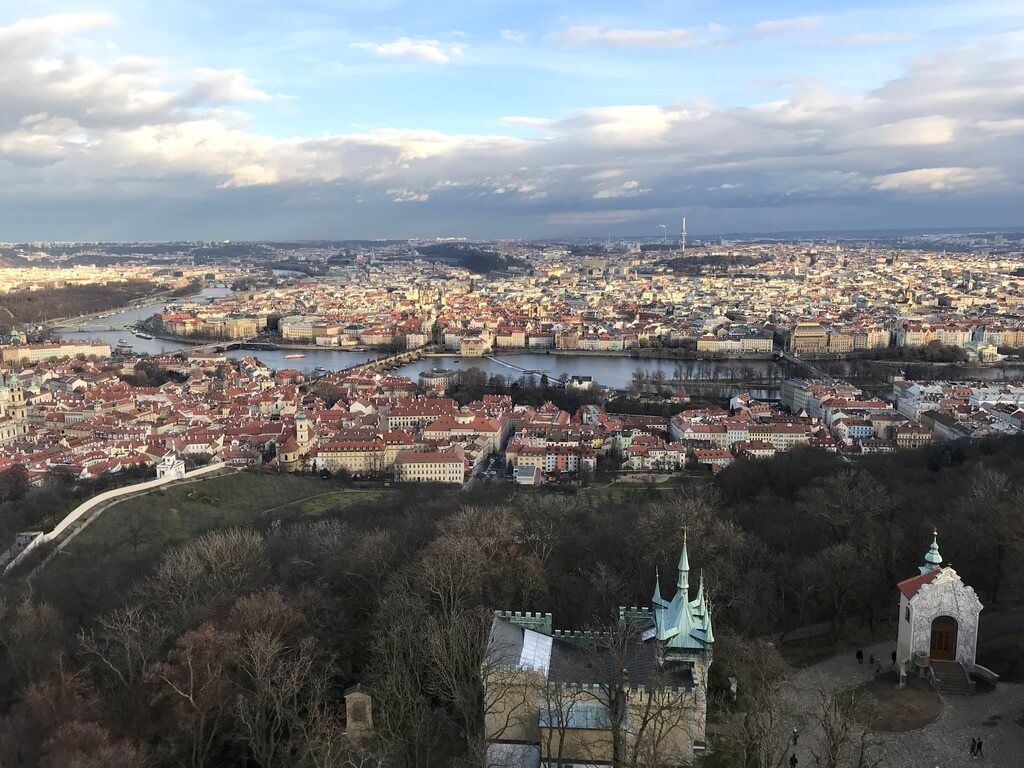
[
  {"x": 991, "y": 529},
  {"x": 761, "y": 735},
  {"x": 221, "y": 563},
  {"x": 836, "y": 571},
  {"x": 34, "y": 636},
  {"x": 277, "y": 684},
  {"x": 90, "y": 745},
  {"x": 14, "y": 483},
  {"x": 124, "y": 644},
  {"x": 839, "y": 740},
  {"x": 197, "y": 678}
]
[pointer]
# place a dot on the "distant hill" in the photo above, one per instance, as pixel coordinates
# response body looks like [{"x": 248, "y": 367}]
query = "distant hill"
[{"x": 470, "y": 257}]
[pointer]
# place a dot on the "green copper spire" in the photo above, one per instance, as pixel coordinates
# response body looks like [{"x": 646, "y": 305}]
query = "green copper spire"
[
  {"x": 932, "y": 558},
  {"x": 657, "y": 600},
  {"x": 683, "y": 582}
]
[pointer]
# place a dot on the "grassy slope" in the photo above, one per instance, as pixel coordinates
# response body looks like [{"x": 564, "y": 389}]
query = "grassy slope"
[{"x": 124, "y": 542}]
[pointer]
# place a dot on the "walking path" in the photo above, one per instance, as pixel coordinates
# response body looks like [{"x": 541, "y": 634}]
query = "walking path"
[{"x": 943, "y": 744}]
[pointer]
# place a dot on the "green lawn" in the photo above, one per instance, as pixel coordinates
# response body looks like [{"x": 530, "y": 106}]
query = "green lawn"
[{"x": 102, "y": 561}]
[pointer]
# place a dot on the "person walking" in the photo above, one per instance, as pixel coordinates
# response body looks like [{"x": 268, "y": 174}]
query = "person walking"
[
  {"x": 974, "y": 746},
  {"x": 978, "y": 752},
  {"x": 894, "y": 658},
  {"x": 860, "y": 656},
  {"x": 793, "y": 761},
  {"x": 796, "y": 736},
  {"x": 871, "y": 660}
]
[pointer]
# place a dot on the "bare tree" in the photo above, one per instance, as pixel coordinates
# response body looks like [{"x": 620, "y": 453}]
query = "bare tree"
[
  {"x": 33, "y": 635},
  {"x": 840, "y": 741},
  {"x": 760, "y": 734},
  {"x": 276, "y": 679},
  {"x": 219, "y": 563},
  {"x": 198, "y": 678}
]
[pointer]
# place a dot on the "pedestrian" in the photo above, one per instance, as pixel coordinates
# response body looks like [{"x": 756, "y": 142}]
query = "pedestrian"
[
  {"x": 978, "y": 752},
  {"x": 871, "y": 660},
  {"x": 860, "y": 656},
  {"x": 793, "y": 761},
  {"x": 894, "y": 658},
  {"x": 796, "y": 736},
  {"x": 974, "y": 746},
  {"x": 878, "y": 667}
]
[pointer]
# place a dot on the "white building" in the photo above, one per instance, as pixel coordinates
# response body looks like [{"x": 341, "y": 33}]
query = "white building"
[
  {"x": 938, "y": 624},
  {"x": 170, "y": 466}
]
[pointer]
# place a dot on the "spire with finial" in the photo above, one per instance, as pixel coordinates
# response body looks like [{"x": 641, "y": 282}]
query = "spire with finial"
[
  {"x": 657, "y": 600},
  {"x": 932, "y": 558},
  {"x": 698, "y": 603},
  {"x": 683, "y": 582}
]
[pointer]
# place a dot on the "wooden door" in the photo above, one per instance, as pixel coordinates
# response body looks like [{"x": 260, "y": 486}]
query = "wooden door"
[{"x": 943, "y": 645}]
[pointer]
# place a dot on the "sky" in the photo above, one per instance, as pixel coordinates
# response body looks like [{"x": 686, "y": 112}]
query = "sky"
[{"x": 309, "y": 119}]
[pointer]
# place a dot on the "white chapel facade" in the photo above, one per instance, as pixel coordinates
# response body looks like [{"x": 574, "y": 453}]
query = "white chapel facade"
[{"x": 938, "y": 616}]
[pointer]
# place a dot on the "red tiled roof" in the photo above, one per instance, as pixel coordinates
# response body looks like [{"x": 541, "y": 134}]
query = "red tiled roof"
[{"x": 909, "y": 587}]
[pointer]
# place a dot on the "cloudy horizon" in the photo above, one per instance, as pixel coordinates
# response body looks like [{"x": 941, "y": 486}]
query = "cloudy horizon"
[{"x": 365, "y": 119}]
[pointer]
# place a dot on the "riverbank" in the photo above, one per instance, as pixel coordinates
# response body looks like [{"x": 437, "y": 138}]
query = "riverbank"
[
  {"x": 142, "y": 301},
  {"x": 644, "y": 353}
]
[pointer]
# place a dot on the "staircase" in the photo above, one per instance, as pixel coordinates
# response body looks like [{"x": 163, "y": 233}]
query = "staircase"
[{"x": 951, "y": 678}]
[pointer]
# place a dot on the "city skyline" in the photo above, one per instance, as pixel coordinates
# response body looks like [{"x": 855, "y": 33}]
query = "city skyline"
[{"x": 363, "y": 119}]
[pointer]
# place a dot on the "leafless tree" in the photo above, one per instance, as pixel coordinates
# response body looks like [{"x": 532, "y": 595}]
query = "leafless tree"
[
  {"x": 219, "y": 563},
  {"x": 760, "y": 734},
  {"x": 124, "y": 642},
  {"x": 198, "y": 678},
  {"x": 840, "y": 741},
  {"x": 33, "y": 634},
  {"x": 277, "y": 681}
]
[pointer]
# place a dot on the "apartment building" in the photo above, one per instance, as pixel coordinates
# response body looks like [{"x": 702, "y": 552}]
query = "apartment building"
[{"x": 431, "y": 467}]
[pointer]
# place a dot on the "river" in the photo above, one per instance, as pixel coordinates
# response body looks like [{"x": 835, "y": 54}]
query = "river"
[
  {"x": 608, "y": 371},
  {"x": 698, "y": 377},
  {"x": 616, "y": 372}
]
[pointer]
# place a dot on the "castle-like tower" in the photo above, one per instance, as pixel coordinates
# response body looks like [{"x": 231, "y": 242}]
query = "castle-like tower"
[
  {"x": 558, "y": 693},
  {"x": 684, "y": 625}
]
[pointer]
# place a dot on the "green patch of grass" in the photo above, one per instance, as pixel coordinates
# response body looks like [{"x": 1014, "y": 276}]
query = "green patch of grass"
[{"x": 102, "y": 561}]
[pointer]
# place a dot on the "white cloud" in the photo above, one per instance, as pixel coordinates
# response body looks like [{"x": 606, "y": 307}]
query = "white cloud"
[
  {"x": 408, "y": 196},
  {"x": 934, "y": 179},
  {"x": 513, "y": 36},
  {"x": 781, "y": 27},
  {"x": 433, "y": 51},
  {"x": 77, "y": 128},
  {"x": 610, "y": 173},
  {"x": 630, "y": 188},
  {"x": 630, "y": 38},
  {"x": 930, "y": 130},
  {"x": 222, "y": 86}
]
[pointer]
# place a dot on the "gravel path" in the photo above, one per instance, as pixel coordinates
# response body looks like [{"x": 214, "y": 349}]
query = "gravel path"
[{"x": 945, "y": 743}]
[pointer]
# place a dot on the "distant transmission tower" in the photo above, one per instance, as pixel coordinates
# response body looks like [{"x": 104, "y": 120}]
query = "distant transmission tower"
[{"x": 682, "y": 236}]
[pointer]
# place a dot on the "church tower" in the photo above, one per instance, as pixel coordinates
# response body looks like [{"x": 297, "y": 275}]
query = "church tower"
[{"x": 303, "y": 432}]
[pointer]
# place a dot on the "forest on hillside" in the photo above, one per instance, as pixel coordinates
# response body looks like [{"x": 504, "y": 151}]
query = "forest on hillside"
[
  {"x": 21, "y": 307},
  {"x": 233, "y": 648}
]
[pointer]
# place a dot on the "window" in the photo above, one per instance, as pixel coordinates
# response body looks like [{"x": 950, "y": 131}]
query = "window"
[{"x": 906, "y": 614}]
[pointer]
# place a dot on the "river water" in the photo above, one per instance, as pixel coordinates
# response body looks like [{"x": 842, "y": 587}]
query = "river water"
[
  {"x": 608, "y": 371},
  {"x": 698, "y": 377}
]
